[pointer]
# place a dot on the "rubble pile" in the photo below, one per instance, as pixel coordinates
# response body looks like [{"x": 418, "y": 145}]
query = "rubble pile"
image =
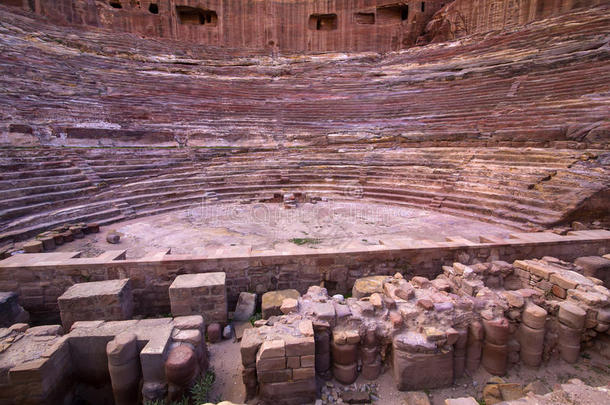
[{"x": 430, "y": 332}]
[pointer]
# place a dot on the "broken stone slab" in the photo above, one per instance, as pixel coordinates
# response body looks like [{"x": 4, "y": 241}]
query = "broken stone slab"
[
  {"x": 246, "y": 306},
  {"x": 240, "y": 327},
  {"x": 569, "y": 279},
  {"x": 289, "y": 305},
  {"x": 595, "y": 266},
  {"x": 363, "y": 287}
]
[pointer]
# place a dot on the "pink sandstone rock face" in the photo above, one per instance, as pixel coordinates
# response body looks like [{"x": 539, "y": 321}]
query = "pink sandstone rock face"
[
  {"x": 464, "y": 17},
  {"x": 272, "y": 25},
  {"x": 304, "y": 25}
]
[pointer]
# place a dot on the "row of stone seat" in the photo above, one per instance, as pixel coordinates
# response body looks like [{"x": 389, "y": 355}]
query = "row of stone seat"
[
  {"x": 436, "y": 178},
  {"x": 415, "y": 90}
]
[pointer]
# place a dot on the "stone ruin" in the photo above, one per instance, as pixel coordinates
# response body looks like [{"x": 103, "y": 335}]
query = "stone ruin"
[
  {"x": 115, "y": 110},
  {"x": 428, "y": 332},
  {"x": 149, "y": 359}
]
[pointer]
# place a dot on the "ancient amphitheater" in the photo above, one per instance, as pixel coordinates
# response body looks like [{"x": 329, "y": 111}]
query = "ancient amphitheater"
[{"x": 304, "y": 202}]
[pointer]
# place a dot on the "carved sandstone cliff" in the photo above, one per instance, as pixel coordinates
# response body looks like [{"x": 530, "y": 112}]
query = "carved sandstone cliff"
[
  {"x": 463, "y": 17},
  {"x": 300, "y": 25}
]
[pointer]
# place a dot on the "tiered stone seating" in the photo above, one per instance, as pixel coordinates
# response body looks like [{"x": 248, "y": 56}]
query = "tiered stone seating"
[
  {"x": 507, "y": 128},
  {"x": 511, "y": 88},
  {"x": 135, "y": 182}
]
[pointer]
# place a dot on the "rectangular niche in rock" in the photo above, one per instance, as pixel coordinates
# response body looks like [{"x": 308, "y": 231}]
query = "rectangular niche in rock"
[
  {"x": 364, "y": 18},
  {"x": 196, "y": 16},
  {"x": 323, "y": 22},
  {"x": 393, "y": 14}
]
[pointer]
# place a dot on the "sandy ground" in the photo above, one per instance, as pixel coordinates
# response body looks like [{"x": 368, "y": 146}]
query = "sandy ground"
[
  {"x": 266, "y": 226},
  {"x": 226, "y": 361}
]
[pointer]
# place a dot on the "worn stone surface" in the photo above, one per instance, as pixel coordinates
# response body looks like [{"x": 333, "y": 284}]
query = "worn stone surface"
[
  {"x": 10, "y": 310},
  {"x": 272, "y": 301},
  {"x": 200, "y": 294},
  {"x": 97, "y": 300},
  {"x": 246, "y": 306}
]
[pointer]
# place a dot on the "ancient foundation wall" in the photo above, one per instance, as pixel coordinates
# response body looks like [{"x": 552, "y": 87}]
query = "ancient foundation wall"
[{"x": 41, "y": 278}]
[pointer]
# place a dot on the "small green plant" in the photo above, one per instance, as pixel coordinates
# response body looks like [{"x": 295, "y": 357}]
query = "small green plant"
[
  {"x": 481, "y": 401},
  {"x": 303, "y": 241},
  {"x": 255, "y": 318},
  {"x": 200, "y": 393}
]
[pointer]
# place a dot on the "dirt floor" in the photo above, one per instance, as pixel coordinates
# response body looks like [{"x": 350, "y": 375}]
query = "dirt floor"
[
  {"x": 592, "y": 369},
  {"x": 270, "y": 226}
]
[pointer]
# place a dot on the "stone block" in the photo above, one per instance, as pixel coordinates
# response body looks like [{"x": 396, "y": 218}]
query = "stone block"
[
  {"x": 363, "y": 287},
  {"x": 571, "y": 315},
  {"x": 534, "y": 316},
  {"x": 289, "y": 305},
  {"x": 275, "y": 363},
  {"x": 558, "y": 291},
  {"x": 200, "y": 294},
  {"x": 272, "y": 301},
  {"x": 293, "y": 362},
  {"x": 246, "y": 306},
  {"x": 250, "y": 343},
  {"x": 109, "y": 300},
  {"x": 415, "y": 371},
  {"x": 214, "y": 332},
  {"x": 274, "y": 376},
  {"x": 461, "y": 401},
  {"x": 34, "y": 246},
  {"x": 302, "y": 391},
  {"x": 307, "y": 361},
  {"x": 303, "y": 373},
  {"x": 299, "y": 346},
  {"x": 566, "y": 279},
  {"x": 271, "y": 349}
]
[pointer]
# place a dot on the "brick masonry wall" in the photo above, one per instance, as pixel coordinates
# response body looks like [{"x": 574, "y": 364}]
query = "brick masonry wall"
[{"x": 39, "y": 284}]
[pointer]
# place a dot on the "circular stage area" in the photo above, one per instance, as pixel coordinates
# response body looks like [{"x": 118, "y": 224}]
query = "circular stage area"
[{"x": 266, "y": 226}]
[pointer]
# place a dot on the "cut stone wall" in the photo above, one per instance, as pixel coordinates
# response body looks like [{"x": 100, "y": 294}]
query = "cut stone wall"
[
  {"x": 40, "y": 280},
  {"x": 38, "y": 365},
  {"x": 280, "y": 360}
]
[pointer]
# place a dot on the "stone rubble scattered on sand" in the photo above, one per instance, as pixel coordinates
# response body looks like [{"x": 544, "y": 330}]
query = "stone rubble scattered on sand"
[{"x": 334, "y": 393}]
